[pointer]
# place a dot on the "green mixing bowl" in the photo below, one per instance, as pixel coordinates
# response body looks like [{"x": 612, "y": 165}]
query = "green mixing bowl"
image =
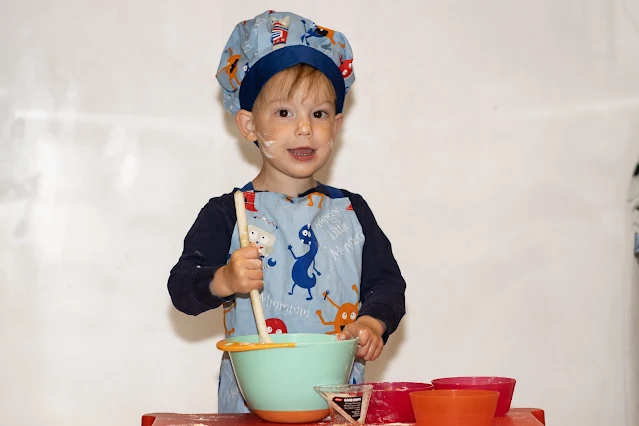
[{"x": 277, "y": 384}]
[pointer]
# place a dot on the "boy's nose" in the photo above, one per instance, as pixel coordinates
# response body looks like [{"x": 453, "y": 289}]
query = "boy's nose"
[{"x": 304, "y": 128}]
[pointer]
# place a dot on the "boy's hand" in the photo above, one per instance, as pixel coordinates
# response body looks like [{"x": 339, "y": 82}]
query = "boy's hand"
[
  {"x": 241, "y": 274},
  {"x": 369, "y": 330}
]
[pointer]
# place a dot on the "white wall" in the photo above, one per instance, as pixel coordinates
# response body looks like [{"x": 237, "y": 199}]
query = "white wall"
[{"x": 494, "y": 141}]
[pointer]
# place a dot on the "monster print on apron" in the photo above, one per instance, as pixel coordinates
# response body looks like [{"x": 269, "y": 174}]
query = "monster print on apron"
[{"x": 311, "y": 249}]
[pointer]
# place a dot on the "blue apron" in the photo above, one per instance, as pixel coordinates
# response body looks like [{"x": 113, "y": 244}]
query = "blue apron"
[{"x": 311, "y": 249}]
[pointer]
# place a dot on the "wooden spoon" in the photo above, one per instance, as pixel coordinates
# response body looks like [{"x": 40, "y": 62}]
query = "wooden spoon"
[
  {"x": 229, "y": 346},
  {"x": 242, "y": 226}
]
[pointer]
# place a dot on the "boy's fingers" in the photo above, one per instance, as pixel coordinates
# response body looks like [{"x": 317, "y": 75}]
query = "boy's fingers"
[
  {"x": 373, "y": 351},
  {"x": 255, "y": 274},
  {"x": 351, "y": 330},
  {"x": 362, "y": 351},
  {"x": 250, "y": 252},
  {"x": 250, "y": 284},
  {"x": 345, "y": 334},
  {"x": 364, "y": 336},
  {"x": 254, "y": 264},
  {"x": 377, "y": 352}
]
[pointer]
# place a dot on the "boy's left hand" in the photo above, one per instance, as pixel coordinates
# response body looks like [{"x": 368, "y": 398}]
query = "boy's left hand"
[{"x": 369, "y": 330}]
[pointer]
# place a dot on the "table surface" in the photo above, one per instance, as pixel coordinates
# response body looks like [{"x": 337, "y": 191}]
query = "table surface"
[{"x": 515, "y": 417}]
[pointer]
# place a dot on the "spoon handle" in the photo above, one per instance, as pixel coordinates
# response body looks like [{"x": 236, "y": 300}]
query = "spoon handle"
[
  {"x": 228, "y": 346},
  {"x": 242, "y": 226}
]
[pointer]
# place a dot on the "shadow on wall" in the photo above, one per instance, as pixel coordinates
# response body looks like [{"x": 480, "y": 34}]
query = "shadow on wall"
[
  {"x": 252, "y": 155},
  {"x": 632, "y": 290},
  {"x": 375, "y": 370},
  {"x": 324, "y": 175},
  {"x": 197, "y": 328},
  {"x": 249, "y": 151}
]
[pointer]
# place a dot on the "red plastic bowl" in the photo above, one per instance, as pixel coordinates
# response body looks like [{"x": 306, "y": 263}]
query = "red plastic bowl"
[
  {"x": 504, "y": 385},
  {"x": 390, "y": 402}
]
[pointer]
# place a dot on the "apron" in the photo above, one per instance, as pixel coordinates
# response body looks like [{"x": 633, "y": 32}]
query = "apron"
[{"x": 311, "y": 249}]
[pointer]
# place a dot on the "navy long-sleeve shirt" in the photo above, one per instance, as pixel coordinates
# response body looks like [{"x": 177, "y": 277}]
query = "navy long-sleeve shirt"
[{"x": 207, "y": 244}]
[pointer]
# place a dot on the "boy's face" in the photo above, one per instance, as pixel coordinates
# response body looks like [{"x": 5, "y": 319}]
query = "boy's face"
[{"x": 295, "y": 136}]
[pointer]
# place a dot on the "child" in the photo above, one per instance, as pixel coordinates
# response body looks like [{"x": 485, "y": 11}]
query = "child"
[{"x": 318, "y": 249}]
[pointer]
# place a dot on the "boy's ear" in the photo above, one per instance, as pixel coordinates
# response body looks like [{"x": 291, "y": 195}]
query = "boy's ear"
[
  {"x": 339, "y": 119},
  {"x": 244, "y": 121}
]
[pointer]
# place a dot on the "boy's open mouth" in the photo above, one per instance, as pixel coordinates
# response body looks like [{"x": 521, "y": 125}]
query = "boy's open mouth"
[{"x": 302, "y": 154}]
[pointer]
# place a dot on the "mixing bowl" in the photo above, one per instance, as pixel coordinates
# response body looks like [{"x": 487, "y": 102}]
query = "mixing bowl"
[
  {"x": 504, "y": 385},
  {"x": 277, "y": 384}
]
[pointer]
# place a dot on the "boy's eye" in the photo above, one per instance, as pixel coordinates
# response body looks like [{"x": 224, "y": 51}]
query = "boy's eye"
[
  {"x": 319, "y": 114},
  {"x": 283, "y": 113}
]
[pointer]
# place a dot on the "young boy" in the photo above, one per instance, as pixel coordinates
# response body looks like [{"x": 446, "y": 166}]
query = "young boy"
[{"x": 327, "y": 265}]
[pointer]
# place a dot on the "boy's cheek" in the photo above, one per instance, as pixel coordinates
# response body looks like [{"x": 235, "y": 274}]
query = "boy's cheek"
[{"x": 272, "y": 148}]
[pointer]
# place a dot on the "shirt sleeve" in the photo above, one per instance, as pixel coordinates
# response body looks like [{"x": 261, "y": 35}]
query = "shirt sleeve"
[
  {"x": 382, "y": 285},
  {"x": 206, "y": 249}
]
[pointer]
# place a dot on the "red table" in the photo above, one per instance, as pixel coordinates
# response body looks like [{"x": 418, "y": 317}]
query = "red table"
[{"x": 515, "y": 417}]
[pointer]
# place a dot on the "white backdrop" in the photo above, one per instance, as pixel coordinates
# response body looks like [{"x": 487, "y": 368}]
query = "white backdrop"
[{"x": 494, "y": 141}]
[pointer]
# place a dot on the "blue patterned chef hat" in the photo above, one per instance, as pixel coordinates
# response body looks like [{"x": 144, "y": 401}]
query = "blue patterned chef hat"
[{"x": 273, "y": 41}]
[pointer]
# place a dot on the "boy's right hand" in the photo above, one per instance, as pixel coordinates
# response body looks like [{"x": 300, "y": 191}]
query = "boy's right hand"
[{"x": 241, "y": 274}]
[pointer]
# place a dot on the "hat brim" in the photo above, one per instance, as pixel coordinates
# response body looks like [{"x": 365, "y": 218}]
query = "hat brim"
[{"x": 281, "y": 59}]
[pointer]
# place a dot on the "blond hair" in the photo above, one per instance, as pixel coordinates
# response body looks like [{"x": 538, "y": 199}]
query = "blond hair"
[{"x": 311, "y": 81}]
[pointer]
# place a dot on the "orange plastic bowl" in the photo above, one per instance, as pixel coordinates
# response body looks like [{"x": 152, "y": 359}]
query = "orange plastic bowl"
[
  {"x": 454, "y": 407},
  {"x": 504, "y": 385}
]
